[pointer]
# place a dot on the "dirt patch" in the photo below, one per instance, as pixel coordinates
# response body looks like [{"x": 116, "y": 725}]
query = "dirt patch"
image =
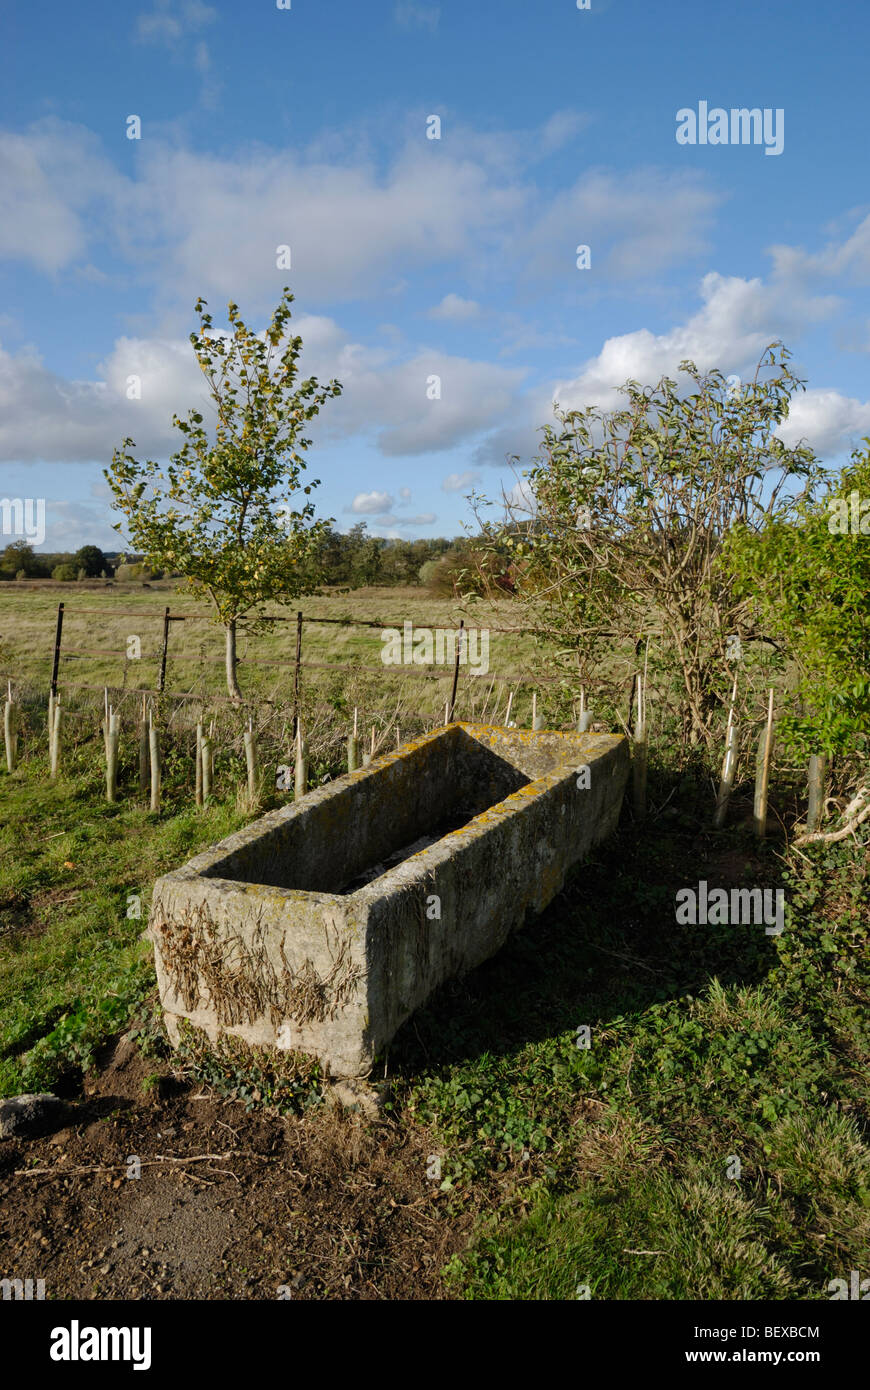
[{"x": 228, "y": 1204}]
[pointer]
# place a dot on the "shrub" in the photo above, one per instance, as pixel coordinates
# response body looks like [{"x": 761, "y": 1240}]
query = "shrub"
[
  {"x": 64, "y": 572},
  {"x": 131, "y": 573}
]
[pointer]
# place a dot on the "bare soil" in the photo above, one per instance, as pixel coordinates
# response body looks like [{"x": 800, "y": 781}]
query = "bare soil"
[{"x": 327, "y": 1206}]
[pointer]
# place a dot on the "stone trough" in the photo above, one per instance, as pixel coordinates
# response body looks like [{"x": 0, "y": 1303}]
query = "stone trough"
[{"x": 322, "y": 926}]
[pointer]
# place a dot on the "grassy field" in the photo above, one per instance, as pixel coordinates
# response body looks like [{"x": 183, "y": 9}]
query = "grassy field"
[
  {"x": 710, "y": 1143},
  {"x": 195, "y": 662}
]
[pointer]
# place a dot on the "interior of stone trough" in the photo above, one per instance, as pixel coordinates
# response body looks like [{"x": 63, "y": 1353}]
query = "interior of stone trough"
[{"x": 343, "y": 839}]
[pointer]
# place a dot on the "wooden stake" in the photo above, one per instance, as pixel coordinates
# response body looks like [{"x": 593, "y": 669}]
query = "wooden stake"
[
  {"x": 207, "y": 766},
  {"x": 729, "y": 765},
  {"x": 817, "y": 773},
  {"x": 452, "y": 705},
  {"x": 251, "y": 761},
  {"x": 55, "y": 739},
  {"x": 198, "y": 791},
  {"x": 300, "y": 785},
  {"x": 507, "y": 717},
  {"x": 113, "y": 735},
  {"x": 10, "y": 731},
  {"x": 154, "y": 747},
  {"x": 585, "y": 715},
  {"x": 537, "y": 719},
  {"x": 762, "y": 773},
  {"x": 640, "y": 751},
  {"x": 296, "y": 673},
  {"x": 144, "y": 776}
]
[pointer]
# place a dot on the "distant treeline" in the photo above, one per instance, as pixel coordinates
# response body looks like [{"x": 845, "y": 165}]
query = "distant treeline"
[{"x": 352, "y": 560}]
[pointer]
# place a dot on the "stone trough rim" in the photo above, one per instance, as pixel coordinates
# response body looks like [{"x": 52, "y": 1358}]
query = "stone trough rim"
[{"x": 423, "y": 861}]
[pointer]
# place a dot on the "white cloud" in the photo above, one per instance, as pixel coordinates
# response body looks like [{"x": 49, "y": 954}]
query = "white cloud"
[
  {"x": 849, "y": 258},
  {"x": 828, "y": 421},
  {"x": 454, "y": 307},
  {"x": 560, "y": 128},
  {"x": 168, "y": 22},
  {"x": 366, "y": 503},
  {"x": 411, "y": 14},
  {"x": 635, "y": 223},
  {"x": 424, "y": 519},
  {"x": 737, "y": 320},
  {"x": 456, "y": 482},
  {"x": 183, "y": 220},
  {"x": 44, "y": 416},
  {"x": 58, "y": 188}
]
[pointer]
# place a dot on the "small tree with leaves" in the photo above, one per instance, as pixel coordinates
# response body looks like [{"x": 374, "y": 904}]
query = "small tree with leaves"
[
  {"x": 226, "y": 512},
  {"x": 616, "y": 528}
]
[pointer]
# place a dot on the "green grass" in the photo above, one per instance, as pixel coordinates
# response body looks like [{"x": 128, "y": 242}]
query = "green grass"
[
  {"x": 28, "y": 616},
  {"x": 708, "y": 1045},
  {"x": 72, "y": 965},
  {"x": 719, "y": 1118}
]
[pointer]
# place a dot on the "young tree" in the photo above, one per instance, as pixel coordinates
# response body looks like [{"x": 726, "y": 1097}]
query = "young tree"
[
  {"x": 223, "y": 514},
  {"x": 621, "y": 518}
]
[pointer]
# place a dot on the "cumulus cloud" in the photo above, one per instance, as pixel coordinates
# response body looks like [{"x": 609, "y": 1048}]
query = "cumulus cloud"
[
  {"x": 736, "y": 321},
  {"x": 828, "y": 421},
  {"x": 366, "y": 503},
  {"x": 454, "y": 307},
  {"x": 635, "y": 223},
  {"x": 183, "y": 220},
  {"x": 456, "y": 482},
  {"x": 58, "y": 189},
  {"x": 849, "y": 258},
  {"x": 44, "y": 416}
]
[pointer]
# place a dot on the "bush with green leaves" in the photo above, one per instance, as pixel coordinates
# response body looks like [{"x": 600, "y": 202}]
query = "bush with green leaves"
[
  {"x": 806, "y": 573},
  {"x": 616, "y": 529},
  {"x": 65, "y": 573}
]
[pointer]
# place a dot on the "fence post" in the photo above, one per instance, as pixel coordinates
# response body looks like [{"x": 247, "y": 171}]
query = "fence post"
[
  {"x": 449, "y": 720},
  {"x": 57, "y": 638},
  {"x": 162, "y": 680}
]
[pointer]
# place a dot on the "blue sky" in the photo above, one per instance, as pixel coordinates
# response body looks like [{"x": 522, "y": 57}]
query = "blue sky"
[{"x": 415, "y": 257}]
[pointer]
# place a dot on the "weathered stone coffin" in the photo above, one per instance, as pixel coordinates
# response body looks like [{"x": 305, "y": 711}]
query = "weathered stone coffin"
[{"x": 322, "y": 926}]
